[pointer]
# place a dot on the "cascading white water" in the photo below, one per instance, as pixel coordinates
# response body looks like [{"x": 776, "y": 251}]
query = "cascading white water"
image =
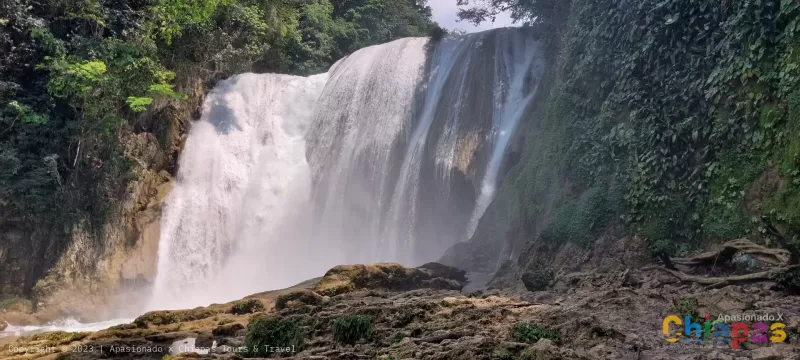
[
  {"x": 362, "y": 115},
  {"x": 395, "y": 159},
  {"x": 398, "y": 236},
  {"x": 242, "y": 168},
  {"x": 516, "y": 68}
]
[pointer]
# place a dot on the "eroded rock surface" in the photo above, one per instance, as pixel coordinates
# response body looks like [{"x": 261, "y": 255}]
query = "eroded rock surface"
[{"x": 611, "y": 315}]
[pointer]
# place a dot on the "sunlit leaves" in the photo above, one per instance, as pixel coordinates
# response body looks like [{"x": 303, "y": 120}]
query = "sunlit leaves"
[
  {"x": 171, "y": 17},
  {"x": 27, "y": 115},
  {"x": 68, "y": 79},
  {"x": 138, "y": 104}
]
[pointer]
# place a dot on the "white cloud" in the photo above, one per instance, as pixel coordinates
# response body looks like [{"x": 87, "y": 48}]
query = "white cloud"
[{"x": 445, "y": 13}]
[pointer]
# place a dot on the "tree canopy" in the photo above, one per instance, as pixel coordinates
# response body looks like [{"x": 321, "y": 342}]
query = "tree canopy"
[{"x": 76, "y": 74}]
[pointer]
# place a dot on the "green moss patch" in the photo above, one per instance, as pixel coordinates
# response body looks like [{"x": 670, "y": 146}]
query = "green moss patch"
[
  {"x": 352, "y": 328},
  {"x": 265, "y": 334},
  {"x": 531, "y": 333}
]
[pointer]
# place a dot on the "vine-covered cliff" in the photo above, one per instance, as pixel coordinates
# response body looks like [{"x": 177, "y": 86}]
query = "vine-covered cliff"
[{"x": 675, "y": 122}]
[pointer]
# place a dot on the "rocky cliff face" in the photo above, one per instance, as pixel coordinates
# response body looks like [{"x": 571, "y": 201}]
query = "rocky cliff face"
[{"x": 80, "y": 279}]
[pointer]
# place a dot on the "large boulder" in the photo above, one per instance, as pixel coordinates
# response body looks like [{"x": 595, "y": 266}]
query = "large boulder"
[{"x": 389, "y": 276}]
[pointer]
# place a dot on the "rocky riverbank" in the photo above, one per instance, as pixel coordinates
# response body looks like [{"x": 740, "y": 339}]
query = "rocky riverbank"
[{"x": 386, "y": 311}]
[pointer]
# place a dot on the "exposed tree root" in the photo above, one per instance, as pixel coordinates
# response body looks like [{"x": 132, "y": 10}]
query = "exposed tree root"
[
  {"x": 774, "y": 257},
  {"x": 781, "y": 260},
  {"x": 715, "y": 282}
]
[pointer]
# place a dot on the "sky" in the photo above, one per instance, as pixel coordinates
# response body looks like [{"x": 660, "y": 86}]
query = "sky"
[{"x": 444, "y": 12}]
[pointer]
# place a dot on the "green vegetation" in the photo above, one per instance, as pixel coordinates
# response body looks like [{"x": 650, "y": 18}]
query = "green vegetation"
[
  {"x": 690, "y": 308},
  {"x": 537, "y": 280},
  {"x": 166, "y": 317},
  {"x": 531, "y": 333},
  {"x": 397, "y": 337},
  {"x": 789, "y": 280},
  {"x": 686, "y": 111},
  {"x": 78, "y": 78},
  {"x": 350, "y": 329},
  {"x": 580, "y": 220},
  {"x": 264, "y": 333},
  {"x": 247, "y": 307},
  {"x": 298, "y": 298}
]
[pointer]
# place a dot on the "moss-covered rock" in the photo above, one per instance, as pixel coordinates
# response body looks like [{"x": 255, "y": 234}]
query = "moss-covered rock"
[
  {"x": 158, "y": 318},
  {"x": 56, "y": 338},
  {"x": 227, "y": 329},
  {"x": 388, "y": 276},
  {"x": 248, "y": 306},
  {"x": 298, "y": 298}
]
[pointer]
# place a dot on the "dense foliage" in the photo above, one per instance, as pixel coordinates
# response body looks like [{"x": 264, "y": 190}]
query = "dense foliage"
[
  {"x": 350, "y": 329},
  {"x": 679, "y": 119},
  {"x": 530, "y": 333},
  {"x": 76, "y": 76},
  {"x": 266, "y": 335},
  {"x": 544, "y": 12}
]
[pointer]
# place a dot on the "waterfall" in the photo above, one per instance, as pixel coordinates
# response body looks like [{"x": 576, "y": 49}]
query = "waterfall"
[
  {"x": 393, "y": 155},
  {"x": 241, "y": 170},
  {"x": 516, "y": 66}
]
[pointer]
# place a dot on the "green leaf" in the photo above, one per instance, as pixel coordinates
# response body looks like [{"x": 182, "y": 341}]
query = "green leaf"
[
  {"x": 138, "y": 104},
  {"x": 27, "y": 115}
]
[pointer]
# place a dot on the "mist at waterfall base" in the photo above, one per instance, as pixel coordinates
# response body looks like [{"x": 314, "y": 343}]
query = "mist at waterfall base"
[{"x": 393, "y": 155}]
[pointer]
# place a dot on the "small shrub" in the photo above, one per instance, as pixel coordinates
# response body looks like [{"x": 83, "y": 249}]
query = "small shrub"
[
  {"x": 351, "y": 328},
  {"x": 247, "y": 307},
  {"x": 298, "y": 298},
  {"x": 789, "y": 280},
  {"x": 689, "y": 307},
  {"x": 531, "y": 333},
  {"x": 264, "y": 333},
  {"x": 398, "y": 337},
  {"x": 164, "y": 317},
  {"x": 436, "y": 33},
  {"x": 537, "y": 280},
  {"x": 58, "y": 337},
  {"x": 227, "y": 329}
]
